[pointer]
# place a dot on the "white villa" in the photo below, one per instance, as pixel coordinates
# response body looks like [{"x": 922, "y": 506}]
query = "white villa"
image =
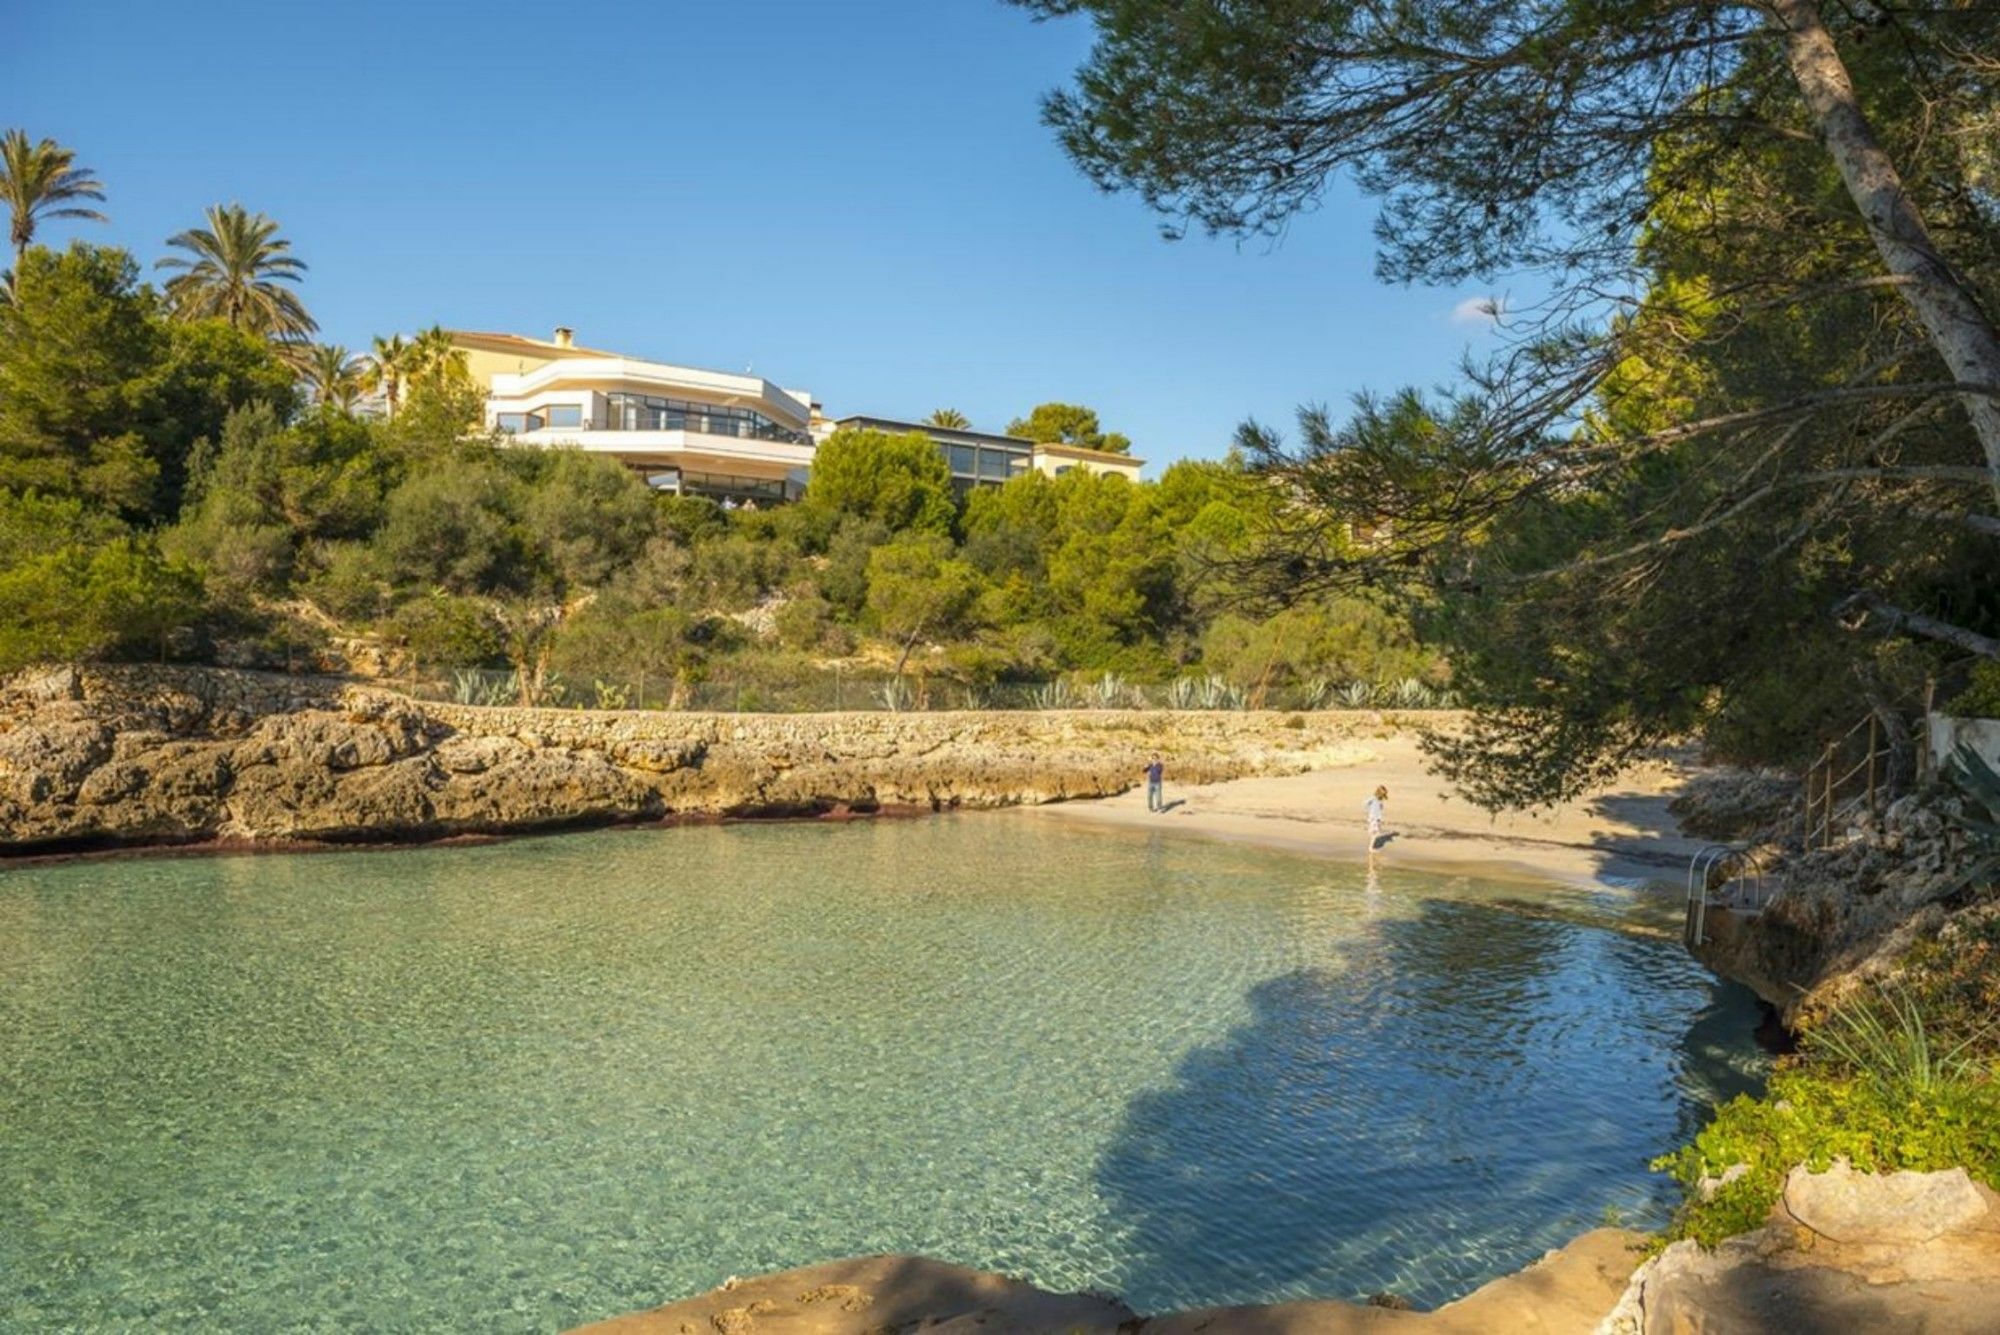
[{"x": 732, "y": 437}]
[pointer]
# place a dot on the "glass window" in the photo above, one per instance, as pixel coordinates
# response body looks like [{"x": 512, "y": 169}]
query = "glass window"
[
  {"x": 565, "y": 414},
  {"x": 961, "y": 457},
  {"x": 995, "y": 465},
  {"x": 511, "y": 423}
]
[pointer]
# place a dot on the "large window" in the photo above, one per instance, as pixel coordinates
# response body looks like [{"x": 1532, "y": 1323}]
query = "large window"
[
  {"x": 972, "y": 464},
  {"x": 643, "y": 412},
  {"x": 556, "y": 414}
]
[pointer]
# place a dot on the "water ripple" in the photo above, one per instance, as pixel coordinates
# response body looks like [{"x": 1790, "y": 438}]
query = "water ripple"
[{"x": 519, "y": 1086}]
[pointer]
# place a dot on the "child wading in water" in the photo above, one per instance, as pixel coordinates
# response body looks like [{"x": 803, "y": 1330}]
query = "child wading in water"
[{"x": 1374, "y": 809}]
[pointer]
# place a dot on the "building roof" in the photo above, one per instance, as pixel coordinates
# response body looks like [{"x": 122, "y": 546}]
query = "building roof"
[
  {"x": 966, "y": 434},
  {"x": 533, "y": 347},
  {"x": 1079, "y": 452}
]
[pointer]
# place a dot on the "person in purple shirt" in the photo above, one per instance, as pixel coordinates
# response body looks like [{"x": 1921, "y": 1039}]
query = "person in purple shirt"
[{"x": 1156, "y": 777}]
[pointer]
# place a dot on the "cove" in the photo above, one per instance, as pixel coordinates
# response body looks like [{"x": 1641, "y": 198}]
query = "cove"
[{"x": 525, "y": 1085}]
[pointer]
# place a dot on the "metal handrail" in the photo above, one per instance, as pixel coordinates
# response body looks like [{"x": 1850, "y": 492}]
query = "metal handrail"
[
  {"x": 1822, "y": 786},
  {"x": 1700, "y": 866},
  {"x": 1703, "y": 866}
]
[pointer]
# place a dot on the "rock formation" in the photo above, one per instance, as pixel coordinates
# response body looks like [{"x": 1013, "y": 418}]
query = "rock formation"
[
  {"x": 106, "y": 756},
  {"x": 1565, "y": 1293},
  {"x": 1843, "y": 1251},
  {"x": 1848, "y": 912}
]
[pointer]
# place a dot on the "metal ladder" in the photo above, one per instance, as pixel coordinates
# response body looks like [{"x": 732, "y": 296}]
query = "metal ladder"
[{"x": 1739, "y": 872}]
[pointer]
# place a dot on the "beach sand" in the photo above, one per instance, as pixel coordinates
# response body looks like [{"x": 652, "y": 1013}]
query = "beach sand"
[{"x": 1619, "y": 835}]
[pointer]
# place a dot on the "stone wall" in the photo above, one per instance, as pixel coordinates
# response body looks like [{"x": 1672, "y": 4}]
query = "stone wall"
[{"x": 103, "y": 755}]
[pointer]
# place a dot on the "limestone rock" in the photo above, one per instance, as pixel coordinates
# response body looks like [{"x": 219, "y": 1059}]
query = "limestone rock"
[
  {"x": 139, "y": 754},
  {"x": 1845, "y": 1251},
  {"x": 1884, "y": 1209},
  {"x": 878, "y": 1293}
]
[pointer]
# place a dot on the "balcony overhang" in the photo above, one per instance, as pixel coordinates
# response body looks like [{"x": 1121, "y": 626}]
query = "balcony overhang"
[
  {"x": 626, "y": 375},
  {"x": 696, "y": 450}
]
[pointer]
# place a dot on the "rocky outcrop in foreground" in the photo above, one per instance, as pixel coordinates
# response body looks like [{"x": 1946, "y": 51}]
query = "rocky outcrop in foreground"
[
  {"x": 1566, "y": 1291},
  {"x": 108, "y": 756},
  {"x": 1843, "y": 1251}
]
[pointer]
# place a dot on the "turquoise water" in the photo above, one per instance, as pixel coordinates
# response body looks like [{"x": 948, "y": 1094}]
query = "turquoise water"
[{"x": 519, "y": 1086}]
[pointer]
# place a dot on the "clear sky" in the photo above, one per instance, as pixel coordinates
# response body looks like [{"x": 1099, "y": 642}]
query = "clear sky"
[{"x": 858, "y": 199}]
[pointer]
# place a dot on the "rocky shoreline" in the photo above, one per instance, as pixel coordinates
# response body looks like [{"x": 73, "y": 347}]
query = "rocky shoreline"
[
  {"x": 106, "y": 757},
  {"x": 1843, "y": 1251}
]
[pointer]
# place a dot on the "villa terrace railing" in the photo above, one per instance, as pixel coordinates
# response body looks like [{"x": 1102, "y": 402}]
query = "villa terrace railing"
[{"x": 836, "y": 691}]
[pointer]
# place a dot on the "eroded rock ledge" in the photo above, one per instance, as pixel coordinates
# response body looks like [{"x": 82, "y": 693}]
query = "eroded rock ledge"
[
  {"x": 1566, "y": 1291},
  {"x": 1843, "y": 1251},
  {"x": 133, "y": 755}
]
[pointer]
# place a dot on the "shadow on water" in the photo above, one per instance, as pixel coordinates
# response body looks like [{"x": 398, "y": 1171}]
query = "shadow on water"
[{"x": 1456, "y": 1092}]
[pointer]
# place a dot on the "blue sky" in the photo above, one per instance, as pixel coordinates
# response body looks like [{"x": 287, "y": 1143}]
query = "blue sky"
[{"x": 855, "y": 199}]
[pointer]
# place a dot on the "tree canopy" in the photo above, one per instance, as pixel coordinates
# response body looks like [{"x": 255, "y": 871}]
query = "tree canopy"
[
  {"x": 1754, "y": 426},
  {"x": 900, "y": 480},
  {"x": 40, "y": 180},
  {"x": 1067, "y": 424},
  {"x": 237, "y": 269}
]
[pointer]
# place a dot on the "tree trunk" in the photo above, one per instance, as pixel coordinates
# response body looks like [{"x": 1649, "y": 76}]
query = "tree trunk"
[
  {"x": 1960, "y": 331},
  {"x": 1916, "y": 623}
]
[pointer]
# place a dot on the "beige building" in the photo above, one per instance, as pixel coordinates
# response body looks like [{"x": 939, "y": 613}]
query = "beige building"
[{"x": 733, "y": 437}]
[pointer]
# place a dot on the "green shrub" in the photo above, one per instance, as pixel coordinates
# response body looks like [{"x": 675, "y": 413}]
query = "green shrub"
[
  {"x": 1981, "y": 697},
  {"x": 352, "y": 583},
  {"x": 450, "y": 632},
  {"x": 1874, "y": 1084}
]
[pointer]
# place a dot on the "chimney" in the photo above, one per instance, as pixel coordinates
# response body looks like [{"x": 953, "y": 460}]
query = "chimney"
[{"x": 564, "y": 336}]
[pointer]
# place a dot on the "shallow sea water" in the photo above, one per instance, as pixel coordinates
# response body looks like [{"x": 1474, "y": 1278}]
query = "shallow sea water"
[{"x": 524, "y": 1085}]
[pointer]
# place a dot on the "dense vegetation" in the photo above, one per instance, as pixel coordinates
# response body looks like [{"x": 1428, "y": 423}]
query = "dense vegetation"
[
  {"x": 1735, "y": 472},
  {"x": 1901, "y": 1077},
  {"x": 183, "y": 476}
]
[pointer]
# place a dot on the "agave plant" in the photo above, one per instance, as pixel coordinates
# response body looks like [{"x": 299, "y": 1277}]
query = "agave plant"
[
  {"x": 1357, "y": 695},
  {"x": 1979, "y": 784},
  {"x": 1053, "y": 695},
  {"x": 1107, "y": 692},
  {"x": 895, "y": 695},
  {"x": 611, "y": 695},
  {"x": 1181, "y": 693},
  {"x": 469, "y": 686},
  {"x": 1412, "y": 694},
  {"x": 1213, "y": 692},
  {"x": 1316, "y": 693}
]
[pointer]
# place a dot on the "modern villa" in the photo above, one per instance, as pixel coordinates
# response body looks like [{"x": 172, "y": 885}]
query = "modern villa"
[{"x": 736, "y": 438}]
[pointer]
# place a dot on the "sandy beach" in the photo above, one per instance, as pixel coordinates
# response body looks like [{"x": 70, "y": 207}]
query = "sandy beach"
[{"x": 1621, "y": 834}]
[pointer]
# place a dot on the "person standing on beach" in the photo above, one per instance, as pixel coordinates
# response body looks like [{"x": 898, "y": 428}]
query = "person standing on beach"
[
  {"x": 1375, "y": 809},
  {"x": 1156, "y": 776}
]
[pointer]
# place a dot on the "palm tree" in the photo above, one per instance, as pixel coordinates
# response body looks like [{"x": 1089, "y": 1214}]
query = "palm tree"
[
  {"x": 38, "y": 181},
  {"x": 951, "y": 419},
  {"x": 387, "y": 366},
  {"x": 237, "y": 274},
  {"x": 434, "y": 355},
  {"x": 333, "y": 375}
]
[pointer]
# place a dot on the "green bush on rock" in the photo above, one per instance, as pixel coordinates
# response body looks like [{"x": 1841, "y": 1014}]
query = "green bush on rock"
[{"x": 1876, "y": 1084}]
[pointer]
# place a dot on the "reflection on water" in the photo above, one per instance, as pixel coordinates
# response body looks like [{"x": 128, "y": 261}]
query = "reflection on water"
[{"x": 519, "y": 1086}]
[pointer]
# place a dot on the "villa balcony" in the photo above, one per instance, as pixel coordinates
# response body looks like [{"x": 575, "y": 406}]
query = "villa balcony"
[{"x": 794, "y": 450}]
